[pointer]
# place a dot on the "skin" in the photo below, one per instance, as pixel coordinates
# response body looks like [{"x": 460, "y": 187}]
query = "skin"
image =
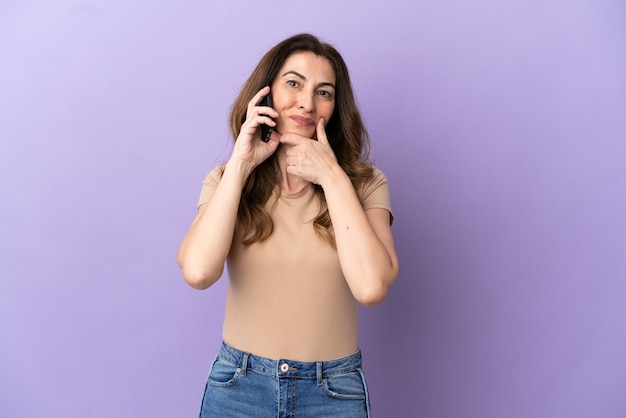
[{"x": 304, "y": 100}]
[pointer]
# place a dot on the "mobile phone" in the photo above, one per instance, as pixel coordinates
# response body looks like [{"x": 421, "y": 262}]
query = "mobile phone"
[{"x": 266, "y": 131}]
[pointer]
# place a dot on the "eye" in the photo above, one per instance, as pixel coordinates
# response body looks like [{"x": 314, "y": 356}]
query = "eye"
[
  {"x": 292, "y": 83},
  {"x": 325, "y": 93}
]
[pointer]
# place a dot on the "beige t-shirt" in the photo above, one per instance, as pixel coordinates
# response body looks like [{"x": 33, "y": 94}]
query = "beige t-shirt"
[{"x": 287, "y": 296}]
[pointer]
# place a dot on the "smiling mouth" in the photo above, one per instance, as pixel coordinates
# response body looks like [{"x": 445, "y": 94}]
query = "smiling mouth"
[{"x": 302, "y": 121}]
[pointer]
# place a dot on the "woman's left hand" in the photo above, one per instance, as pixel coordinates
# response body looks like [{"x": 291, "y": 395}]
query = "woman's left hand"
[{"x": 312, "y": 160}]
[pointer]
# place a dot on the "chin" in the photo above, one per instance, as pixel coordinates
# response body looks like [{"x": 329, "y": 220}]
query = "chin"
[{"x": 299, "y": 130}]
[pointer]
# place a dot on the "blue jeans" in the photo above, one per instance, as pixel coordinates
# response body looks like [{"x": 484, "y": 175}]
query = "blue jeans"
[{"x": 244, "y": 385}]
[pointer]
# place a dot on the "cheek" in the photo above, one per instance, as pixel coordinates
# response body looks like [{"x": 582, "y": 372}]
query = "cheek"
[
  {"x": 280, "y": 99},
  {"x": 327, "y": 110}
]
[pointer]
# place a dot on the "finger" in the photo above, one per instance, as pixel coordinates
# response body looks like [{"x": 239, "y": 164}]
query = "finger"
[
  {"x": 257, "y": 105},
  {"x": 274, "y": 137},
  {"x": 266, "y": 120},
  {"x": 256, "y": 99},
  {"x": 321, "y": 132},
  {"x": 292, "y": 161},
  {"x": 292, "y": 139},
  {"x": 260, "y": 95}
]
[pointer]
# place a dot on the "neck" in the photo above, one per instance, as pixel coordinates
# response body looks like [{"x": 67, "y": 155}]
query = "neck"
[{"x": 289, "y": 183}]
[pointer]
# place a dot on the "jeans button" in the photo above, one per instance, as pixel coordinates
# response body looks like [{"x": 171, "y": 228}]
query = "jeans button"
[{"x": 284, "y": 367}]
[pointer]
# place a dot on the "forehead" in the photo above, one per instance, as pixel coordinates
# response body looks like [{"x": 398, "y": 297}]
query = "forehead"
[{"x": 310, "y": 65}]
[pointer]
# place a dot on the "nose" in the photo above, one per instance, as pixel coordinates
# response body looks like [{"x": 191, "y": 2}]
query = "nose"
[{"x": 306, "y": 101}]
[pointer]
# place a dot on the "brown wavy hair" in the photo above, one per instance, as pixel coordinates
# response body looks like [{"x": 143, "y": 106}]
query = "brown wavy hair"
[{"x": 345, "y": 130}]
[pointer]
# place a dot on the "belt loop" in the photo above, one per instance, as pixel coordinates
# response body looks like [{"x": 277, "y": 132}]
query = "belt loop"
[
  {"x": 244, "y": 363},
  {"x": 319, "y": 373}
]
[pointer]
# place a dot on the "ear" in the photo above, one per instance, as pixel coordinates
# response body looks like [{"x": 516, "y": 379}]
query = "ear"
[{"x": 321, "y": 132}]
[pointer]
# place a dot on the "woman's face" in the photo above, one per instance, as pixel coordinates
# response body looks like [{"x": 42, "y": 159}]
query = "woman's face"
[{"x": 303, "y": 92}]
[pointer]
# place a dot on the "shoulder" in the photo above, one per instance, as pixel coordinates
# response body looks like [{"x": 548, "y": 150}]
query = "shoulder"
[
  {"x": 210, "y": 184},
  {"x": 374, "y": 192},
  {"x": 375, "y": 181},
  {"x": 214, "y": 176},
  {"x": 377, "y": 175}
]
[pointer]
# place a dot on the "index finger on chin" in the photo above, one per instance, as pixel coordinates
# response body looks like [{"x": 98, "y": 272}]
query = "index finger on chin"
[{"x": 291, "y": 139}]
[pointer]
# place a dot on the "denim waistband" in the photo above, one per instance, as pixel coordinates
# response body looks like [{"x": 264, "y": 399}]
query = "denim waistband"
[{"x": 290, "y": 368}]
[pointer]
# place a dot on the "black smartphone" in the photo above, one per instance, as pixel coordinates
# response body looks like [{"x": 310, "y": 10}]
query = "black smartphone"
[{"x": 266, "y": 131}]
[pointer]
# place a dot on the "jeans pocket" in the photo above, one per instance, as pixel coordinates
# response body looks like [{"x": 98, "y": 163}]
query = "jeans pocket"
[
  {"x": 348, "y": 385},
  {"x": 223, "y": 373}
]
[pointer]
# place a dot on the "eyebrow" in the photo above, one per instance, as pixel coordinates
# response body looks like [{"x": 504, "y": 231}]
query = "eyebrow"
[{"x": 302, "y": 77}]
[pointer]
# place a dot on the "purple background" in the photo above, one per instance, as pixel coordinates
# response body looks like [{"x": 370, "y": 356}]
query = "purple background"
[{"x": 501, "y": 127}]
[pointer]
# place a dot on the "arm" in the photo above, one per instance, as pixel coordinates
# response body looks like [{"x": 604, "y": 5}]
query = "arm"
[
  {"x": 206, "y": 245},
  {"x": 364, "y": 241}
]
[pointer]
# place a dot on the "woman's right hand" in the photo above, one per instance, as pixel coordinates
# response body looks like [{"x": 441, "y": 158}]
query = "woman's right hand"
[{"x": 249, "y": 150}]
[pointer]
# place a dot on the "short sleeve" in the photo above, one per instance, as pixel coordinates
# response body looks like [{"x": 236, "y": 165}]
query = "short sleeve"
[
  {"x": 210, "y": 184},
  {"x": 374, "y": 193}
]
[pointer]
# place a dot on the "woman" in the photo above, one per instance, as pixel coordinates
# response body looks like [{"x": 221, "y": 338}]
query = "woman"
[{"x": 304, "y": 223}]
